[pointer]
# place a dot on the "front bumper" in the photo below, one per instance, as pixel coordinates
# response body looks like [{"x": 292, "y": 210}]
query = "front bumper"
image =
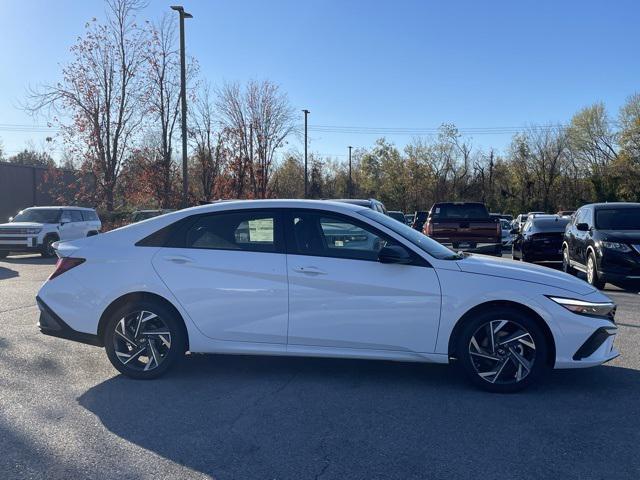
[
  {"x": 51, "y": 324},
  {"x": 19, "y": 243}
]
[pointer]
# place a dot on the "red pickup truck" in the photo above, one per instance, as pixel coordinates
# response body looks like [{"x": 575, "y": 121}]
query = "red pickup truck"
[{"x": 464, "y": 226}]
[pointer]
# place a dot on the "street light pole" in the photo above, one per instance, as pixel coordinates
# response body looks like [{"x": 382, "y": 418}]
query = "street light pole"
[
  {"x": 183, "y": 95},
  {"x": 306, "y": 178},
  {"x": 350, "y": 189}
]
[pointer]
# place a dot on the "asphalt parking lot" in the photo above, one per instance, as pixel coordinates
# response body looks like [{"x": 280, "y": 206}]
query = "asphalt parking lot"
[{"x": 66, "y": 413}]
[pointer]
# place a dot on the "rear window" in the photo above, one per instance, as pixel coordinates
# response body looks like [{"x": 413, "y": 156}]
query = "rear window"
[
  {"x": 459, "y": 210},
  {"x": 618, "y": 218},
  {"x": 550, "y": 225},
  {"x": 90, "y": 215}
]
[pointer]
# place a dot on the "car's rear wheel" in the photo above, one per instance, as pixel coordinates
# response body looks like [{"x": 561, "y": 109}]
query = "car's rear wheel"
[
  {"x": 566, "y": 264},
  {"x": 592, "y": 272},
  {"x": 502, "y": 350},
  {"x": 144, "y": 339}
]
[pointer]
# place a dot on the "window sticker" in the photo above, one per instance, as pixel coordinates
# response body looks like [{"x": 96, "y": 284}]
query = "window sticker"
[{"x": 261, "y": 230}]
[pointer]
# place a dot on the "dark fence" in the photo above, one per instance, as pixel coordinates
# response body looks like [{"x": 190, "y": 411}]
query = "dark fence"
[{"x": 24, "y": 186}]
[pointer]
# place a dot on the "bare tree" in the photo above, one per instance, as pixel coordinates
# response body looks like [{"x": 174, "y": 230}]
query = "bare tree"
[
  {"x": 259, "y": 118},
  {"x": 271, "y": 118},
  {"x": 163, "y": 73},
  {"x": 100, "y": 98},
  {"x": 210, "y": 144}
]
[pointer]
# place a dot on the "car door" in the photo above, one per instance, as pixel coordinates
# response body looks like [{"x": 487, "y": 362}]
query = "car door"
[
  {"x": 66, "y": 227},
  {"x": 341, "y": 296},
  {"x": 228, "y": 271},
  {"x": 77, "y": 224},
  {"x": 581, "y": 237}
]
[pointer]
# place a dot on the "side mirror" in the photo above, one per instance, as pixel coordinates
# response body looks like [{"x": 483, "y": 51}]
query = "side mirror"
[
  {"x": 583, "y": 227},
  {"x": 394, "y": 254}
]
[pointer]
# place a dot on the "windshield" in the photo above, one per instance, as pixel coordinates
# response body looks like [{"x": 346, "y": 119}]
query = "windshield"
[
  {"x": 618, "y": 218},
  {"x": 38, "y": 215},
  {"x": 421, "y": 241}
]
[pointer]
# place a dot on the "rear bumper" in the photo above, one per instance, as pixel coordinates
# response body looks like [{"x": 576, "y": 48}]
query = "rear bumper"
[
  {"x": 51, "y": 324},
  {"x": 473, "y": 246}
]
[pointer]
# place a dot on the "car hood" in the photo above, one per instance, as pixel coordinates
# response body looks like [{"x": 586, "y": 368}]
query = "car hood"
[
  {"x": 628, "y": 236},
  {"x": 526, "y": 272},
  {"x": 21, "y": 225}
]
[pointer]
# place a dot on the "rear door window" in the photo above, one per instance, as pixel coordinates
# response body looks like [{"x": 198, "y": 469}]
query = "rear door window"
[
  {"x": 76, "y": 216},
  {"x": 247, "y": 231}
]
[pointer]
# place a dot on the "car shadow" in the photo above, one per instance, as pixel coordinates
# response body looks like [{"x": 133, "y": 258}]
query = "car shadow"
[
  {"x": 29, "y": 260},
  {"x": 277, "y": 417},
  {"x": 6, "y": 273}
]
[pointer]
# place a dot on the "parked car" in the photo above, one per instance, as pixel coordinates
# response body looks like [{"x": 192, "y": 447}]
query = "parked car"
[
  {"x": 188, "y": 281},
  {"x": 507, "y": 235},
  {"x": 371, "y": 203},
  {"x": 603, "y": 241},
  {"x": 408, "y": 218},
  {"x": 418, "y": 220},
  {"x": 566, "y": 213},
  {"x": 540, "y": 240},
  {"x": 36, "y": 229},
  {"x": 140, "y": 215},
  {"x": 464, "y": 226},
  {"x": 396, "y": 215},
  {"x": 520, "y": 220}
]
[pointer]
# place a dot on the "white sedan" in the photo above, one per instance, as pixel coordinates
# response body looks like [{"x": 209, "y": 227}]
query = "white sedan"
[{"x": 317, "y": 278}]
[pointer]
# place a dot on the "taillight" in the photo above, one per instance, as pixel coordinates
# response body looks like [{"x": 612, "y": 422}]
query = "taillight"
[
  {"x": 429, "y": 228},
  {"x": 499, "y": 229},
  {"x": 65, "y": 264}
]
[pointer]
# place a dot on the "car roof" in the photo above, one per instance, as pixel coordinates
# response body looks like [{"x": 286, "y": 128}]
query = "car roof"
[
  {"x": 355, "y": 201},
  {"x": 274, "y": 203},
  {"x": 613, "y": 204},
  {"x": 49, "y": 207}
]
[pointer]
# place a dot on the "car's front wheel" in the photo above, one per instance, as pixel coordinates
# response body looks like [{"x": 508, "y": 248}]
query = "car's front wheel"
[
  {"x": 143, "y": 339},
  {"x": 592, "y": 272},
  {"x": 47, "y": 250},
  {"x": 566, "y": 263},
  {"x": 502, "y": 350}
]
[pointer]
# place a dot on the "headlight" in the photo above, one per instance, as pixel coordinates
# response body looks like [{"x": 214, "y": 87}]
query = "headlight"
[
  {"x": 33, "y": 231},
  {"x": 618, "y": 247},
  {"x": 581, "y": 307}
]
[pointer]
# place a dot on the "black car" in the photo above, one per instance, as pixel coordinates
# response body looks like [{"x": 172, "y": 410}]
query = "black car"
[
  {"x": 603, "y": 241},
  {"x": 419, "y": 218},
  {"x": 396, "y": 215},
  {"x": 540, "y": 239}
]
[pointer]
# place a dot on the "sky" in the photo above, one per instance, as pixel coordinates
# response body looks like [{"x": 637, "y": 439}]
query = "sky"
[{"x": 379, "y": 65}]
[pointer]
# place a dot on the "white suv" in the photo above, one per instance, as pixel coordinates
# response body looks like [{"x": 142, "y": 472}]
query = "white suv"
[{"x": 35, "y": 229}]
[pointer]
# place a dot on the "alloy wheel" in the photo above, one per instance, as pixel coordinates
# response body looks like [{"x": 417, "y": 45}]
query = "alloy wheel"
[
  {"x": 590, "y": 270},
  {"x": 502, "y": 352},
  {"x": 141, "y": 340}
]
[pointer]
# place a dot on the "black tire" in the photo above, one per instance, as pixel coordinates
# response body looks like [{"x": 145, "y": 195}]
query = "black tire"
[
  {"x": 592, "y": 272},
  {"x": 3, "y": 254},
  {"x": 117, "y": 348},
  {"x": 566, "y": 265},
  {"x": 47, "y": 250},
  {"x": 506, "y": 380}
]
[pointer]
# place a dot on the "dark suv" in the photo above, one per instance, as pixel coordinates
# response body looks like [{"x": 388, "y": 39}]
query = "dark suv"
[{"x": 603, "y": 241}]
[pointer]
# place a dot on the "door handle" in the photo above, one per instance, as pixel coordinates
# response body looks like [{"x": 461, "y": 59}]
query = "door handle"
[
  {"x": 177, "y": 259},
  {"x": 309, "y": 270}
]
